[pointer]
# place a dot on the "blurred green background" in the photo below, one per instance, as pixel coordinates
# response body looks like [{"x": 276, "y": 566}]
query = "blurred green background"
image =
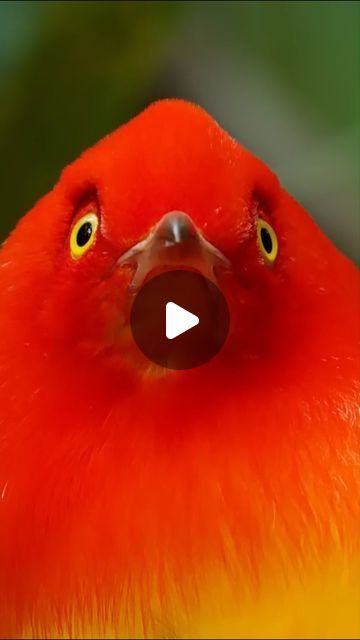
[{"x": 282, "y": 77}]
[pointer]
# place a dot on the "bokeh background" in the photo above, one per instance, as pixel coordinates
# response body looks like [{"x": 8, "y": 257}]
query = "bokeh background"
[{"x": 282, "y": 77}]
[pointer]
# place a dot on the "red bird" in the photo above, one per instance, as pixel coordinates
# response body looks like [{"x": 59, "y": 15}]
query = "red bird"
[{"x": 221, "y": 501}]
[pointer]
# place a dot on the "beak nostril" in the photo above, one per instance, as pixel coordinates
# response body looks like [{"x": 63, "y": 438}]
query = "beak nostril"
[{"x": 176, "y": 228}]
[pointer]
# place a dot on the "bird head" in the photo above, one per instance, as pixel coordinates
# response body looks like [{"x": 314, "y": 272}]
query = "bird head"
[{"x": 170, "y": 189}]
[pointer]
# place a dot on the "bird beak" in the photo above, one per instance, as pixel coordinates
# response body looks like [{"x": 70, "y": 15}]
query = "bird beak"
[{"x": 174, "y": 243}]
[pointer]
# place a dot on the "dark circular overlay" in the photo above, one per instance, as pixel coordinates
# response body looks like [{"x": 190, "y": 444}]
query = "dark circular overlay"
[{"x": 192, "y": 292}]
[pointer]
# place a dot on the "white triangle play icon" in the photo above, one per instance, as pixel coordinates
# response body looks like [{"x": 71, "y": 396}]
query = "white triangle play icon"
[{"x": 178, "y": 320}]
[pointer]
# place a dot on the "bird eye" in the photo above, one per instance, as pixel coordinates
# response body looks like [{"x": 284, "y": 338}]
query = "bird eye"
[
  {"x": 83, "y": 235},
  {"x": 267, "y": 241}
]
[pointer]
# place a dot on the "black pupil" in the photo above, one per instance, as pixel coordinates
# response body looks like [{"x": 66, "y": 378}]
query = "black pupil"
[
  {"x": 84, "y": 234},
  {"x": 266, "y": 240}
]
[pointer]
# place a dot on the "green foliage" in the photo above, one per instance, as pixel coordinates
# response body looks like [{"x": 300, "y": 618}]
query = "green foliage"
[{"x": 88, "y": 67}]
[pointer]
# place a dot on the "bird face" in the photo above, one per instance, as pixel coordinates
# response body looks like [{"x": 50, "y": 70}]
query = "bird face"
[{"x": 169, "y": 190}]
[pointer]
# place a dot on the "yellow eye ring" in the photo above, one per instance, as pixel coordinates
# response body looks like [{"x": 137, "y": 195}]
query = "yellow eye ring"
[
  {"x": 83, "y": 235},
  {"x": 267, "y": 241}
]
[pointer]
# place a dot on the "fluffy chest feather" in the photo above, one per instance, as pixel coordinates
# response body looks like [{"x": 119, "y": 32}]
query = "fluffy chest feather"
[{"x": 180, "y": 510}]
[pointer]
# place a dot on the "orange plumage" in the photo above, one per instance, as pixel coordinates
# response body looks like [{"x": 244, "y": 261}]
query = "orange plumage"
[{"x": 216, "y": 502}]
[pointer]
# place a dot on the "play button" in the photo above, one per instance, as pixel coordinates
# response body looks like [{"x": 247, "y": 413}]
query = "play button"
[{"x": 179, "y": 319}]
